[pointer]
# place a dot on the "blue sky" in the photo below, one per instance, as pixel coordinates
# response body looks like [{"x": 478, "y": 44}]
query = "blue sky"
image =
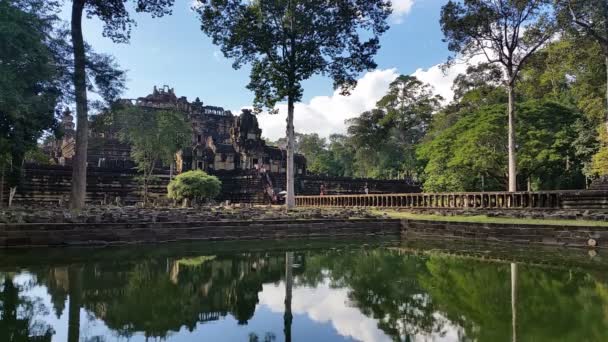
[{"x": 174, "y": 51}]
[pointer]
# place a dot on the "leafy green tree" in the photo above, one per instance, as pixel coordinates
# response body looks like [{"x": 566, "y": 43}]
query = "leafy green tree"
[
  {"x": 505, "y": 32},
  {"x": 571, "y": 71},
  {"x": 30, "y": 88},
  {"x": 409, "y": 106},
  {"x": 343, "y": 155},
  {"x": 370, "y": 138},
  {"x": 194, "y": 185},
  {"x": 288, "y": 41},
  {"x": 485, "y": 77},
  {"x": 589, "y": 18},
  {"x": 470, "y": 152},
  {"x": 385, "y": 138},
  {"x": 314, "y": 148},
  {"x": 117, "y": 24},
  {"x": 155, "y": 136}
]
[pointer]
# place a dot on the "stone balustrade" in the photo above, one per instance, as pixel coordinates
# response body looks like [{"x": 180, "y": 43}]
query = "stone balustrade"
[{"x": 482, "y": 200}]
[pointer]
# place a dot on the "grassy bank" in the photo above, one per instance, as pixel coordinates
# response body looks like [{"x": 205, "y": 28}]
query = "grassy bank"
[{"x": 486, "y": 219}]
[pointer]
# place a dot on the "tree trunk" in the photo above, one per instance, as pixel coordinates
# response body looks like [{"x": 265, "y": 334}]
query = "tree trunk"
[
  {"x": 79, "y": 166},
  {"x": 288, "y": 317},
  {"x": 145, "y": 191},
  {"x": 514, "y": 301},
  {"x": 11, "y": 194},
  {"x": 511, "y": 147},
  {"x": 75, "y": 295},
  {"x": 291, "y": 200}
]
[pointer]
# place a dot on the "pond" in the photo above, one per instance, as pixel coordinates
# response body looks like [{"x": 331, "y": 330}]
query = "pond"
[{"x": 304, "y": 292}]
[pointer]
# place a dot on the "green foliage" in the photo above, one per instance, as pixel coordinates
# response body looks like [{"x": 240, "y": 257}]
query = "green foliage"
[
  {"x": 475, "y": 146},
  {"x": 115, "y": 16},
  {"x": 588, "y": 18},
  {"x": 194, "y": 185},
  {"x": 287, "y": 42},
  {"x": 599, "y": 162},
  {"x": 572, "y": 71},
  {"x": 505, "y": 32},
  {"x": 333, "y": 158},
  {"x": 29, "y": 87},
  {"x": 385, "y": 138},
  {"x": 155, "y": 136},
  {"x": 552, "y": 305},
  {"x": 116, "y": 25}
]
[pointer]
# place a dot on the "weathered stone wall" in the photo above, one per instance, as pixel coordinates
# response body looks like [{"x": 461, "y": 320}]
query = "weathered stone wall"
[
  {"x": 49, "y": 184},
  {"x": 554, "y": 235},
  {"x": 89, "y": 234}
]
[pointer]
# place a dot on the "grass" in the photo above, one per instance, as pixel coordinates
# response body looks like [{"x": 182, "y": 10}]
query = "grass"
[{"x": 486, "y": 219}]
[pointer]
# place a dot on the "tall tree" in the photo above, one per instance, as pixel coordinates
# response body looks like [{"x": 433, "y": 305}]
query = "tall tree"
[
  {"x": 117, "y": 26},
  {"x": 409, "y": 106},
  {"x": 590, "y": 18},
  {"x": 505, "y": 32},
  {"x": 288, "y": 41},
  {"x": 457, "y": 157},
  {"x": 30, "y": 82}
]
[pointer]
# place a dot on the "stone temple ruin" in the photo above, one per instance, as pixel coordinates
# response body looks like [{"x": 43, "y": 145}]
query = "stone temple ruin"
[
  {"x": 226, "y": 145},
  {"x": 220, "y": 141}
]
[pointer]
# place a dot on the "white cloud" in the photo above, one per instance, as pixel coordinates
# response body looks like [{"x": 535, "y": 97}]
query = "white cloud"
[
  {"x": 326, "y": 114},
  {"x": 400, "y": 9},
  {"x": 325, "y": 304},
  {"x": 442, "y": 81}
]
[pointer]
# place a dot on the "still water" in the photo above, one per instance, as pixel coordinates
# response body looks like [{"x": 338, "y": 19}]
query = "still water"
[{"x": 342, "y": 293}]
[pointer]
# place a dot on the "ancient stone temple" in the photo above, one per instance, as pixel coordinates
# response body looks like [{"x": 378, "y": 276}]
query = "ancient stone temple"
[
  {"x": 226, "y": 145},
  {"x": 220, "y": 141}
]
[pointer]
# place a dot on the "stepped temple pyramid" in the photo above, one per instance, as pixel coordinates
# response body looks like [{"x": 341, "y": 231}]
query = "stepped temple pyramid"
[
  {"x": 223, "y": 144},
  {"x": 220, "y": 141}
]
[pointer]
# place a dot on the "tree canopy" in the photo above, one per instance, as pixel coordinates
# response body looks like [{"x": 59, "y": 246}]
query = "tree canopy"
[
  {"x": 30, "y": 88},
  {"x": 155, "y": 137},
  {"x": 288, "y": 41},
  {"x": 505, "y": 32},
  {"x": 117, "y": 25}
]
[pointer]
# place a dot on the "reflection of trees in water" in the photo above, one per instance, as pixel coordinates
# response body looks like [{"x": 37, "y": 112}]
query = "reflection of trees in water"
[
  {"x": 409, "y": 295},
  {"x": 382, "y": 285},
  {"x": 19, "y": 315},
  {"x": 412, "y": 294},
  {"x": 552, "y": 305},
  {"x": 160, "y": 296}
]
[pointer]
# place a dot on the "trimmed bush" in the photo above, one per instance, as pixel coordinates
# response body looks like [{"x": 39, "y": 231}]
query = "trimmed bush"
[{"x": 194, "y": 185}]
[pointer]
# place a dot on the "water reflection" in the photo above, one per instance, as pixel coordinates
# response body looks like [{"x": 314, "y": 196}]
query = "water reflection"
[{"x": 365, "y": 294}]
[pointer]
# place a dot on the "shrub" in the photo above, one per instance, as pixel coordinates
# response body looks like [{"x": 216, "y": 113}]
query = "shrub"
[{"x": 194, "y": 185}]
